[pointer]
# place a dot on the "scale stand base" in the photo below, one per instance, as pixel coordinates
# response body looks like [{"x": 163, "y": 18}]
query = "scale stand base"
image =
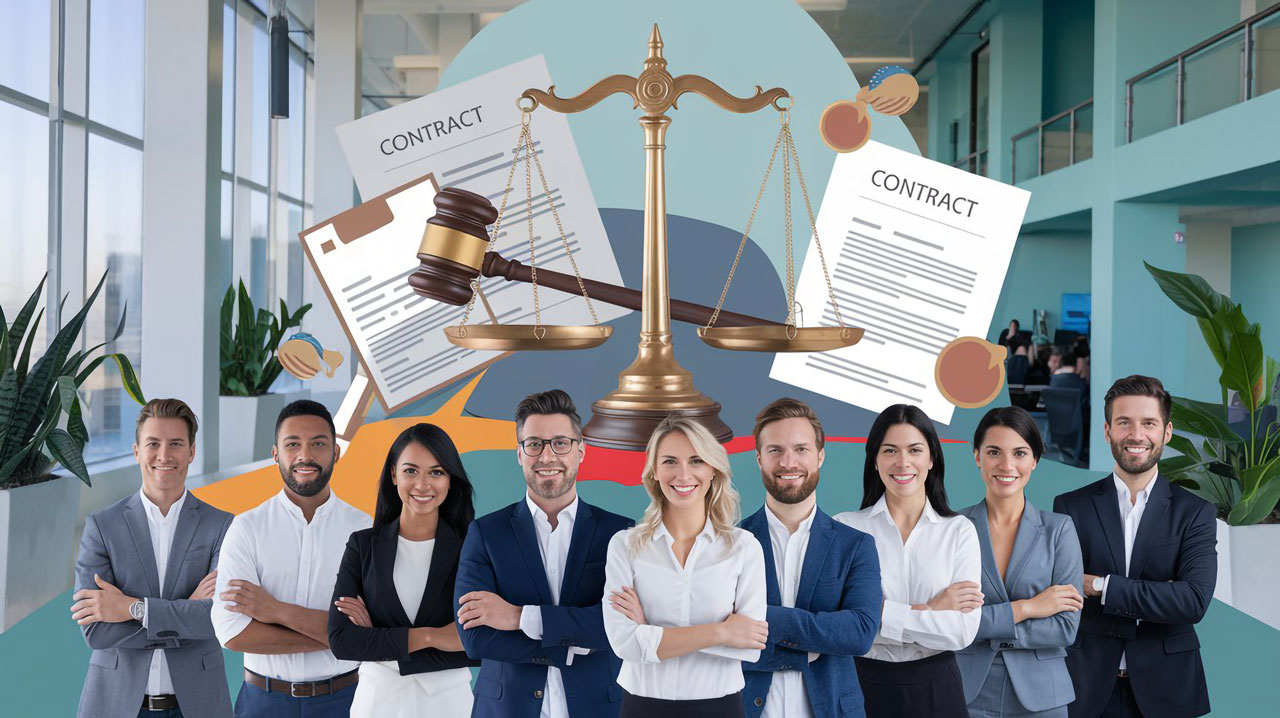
[{"x": 630, "y": 429}]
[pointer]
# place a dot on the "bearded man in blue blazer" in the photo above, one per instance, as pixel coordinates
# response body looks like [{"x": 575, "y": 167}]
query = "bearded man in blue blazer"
[{"x": 822, "y": 577}]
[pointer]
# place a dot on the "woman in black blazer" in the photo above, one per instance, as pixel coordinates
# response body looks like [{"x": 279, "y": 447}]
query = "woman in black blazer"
[{"x": 393, "y": 600}]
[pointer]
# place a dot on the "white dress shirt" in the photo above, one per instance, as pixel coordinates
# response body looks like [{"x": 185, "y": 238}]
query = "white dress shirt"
[
  {"x": 409, "y": 573},
  {"x": 787, "y": 697},
  {"x": 717, "y": 579},
  {"x": 553, "y": 545},
  {"x": 161, "y": 526},
  {"x": 939, "y": 552},
  {"x": 273, "y": 546},
  {"x": 1130, "y": 516}
]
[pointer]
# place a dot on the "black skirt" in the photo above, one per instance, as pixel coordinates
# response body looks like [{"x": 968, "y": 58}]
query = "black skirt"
[
  {"x": 927, "y": 687},
  {"x": 729, "y": 706}
]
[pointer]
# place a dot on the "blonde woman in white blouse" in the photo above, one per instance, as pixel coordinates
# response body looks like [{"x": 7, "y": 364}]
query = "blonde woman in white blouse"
[
  {"x": 930, "y": 569},
  {"x": 685, "y": 589}
]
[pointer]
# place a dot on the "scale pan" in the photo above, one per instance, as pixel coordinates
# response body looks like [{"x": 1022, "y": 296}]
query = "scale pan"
[
  {"x": 780, "y": 338},
  {"x": 527, "y": 337}
]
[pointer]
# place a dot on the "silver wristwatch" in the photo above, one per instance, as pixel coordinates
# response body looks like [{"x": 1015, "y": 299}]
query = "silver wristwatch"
[
  {"x": 1099, "y": 583},
  {"x": 138, "y": 609}
]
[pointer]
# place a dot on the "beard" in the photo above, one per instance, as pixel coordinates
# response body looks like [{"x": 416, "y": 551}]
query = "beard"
[
  {"x": 1136, "y": 465},
  {"x": 791, "y": 494},
  {"x": 550, "y": 488},
  {"x": 310, "y": 488}
]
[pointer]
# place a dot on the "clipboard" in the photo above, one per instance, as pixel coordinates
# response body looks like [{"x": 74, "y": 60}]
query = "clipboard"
[{"x": 372, "y": 222}]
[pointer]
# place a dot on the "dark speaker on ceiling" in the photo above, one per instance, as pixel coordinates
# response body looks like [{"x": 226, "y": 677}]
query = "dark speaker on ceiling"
[{"x": 278, "y": 27}]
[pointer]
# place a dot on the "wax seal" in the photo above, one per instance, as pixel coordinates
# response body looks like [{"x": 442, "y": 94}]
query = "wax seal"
[{"x": 970, "y": 372}]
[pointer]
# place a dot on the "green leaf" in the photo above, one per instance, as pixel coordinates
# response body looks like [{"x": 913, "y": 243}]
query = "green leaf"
[
  {"x": 1209, "y": 449},
  {"x": 1190, "y": 292},
  {"x": 1245, "y": 361},
  {"x": 128, "y": 378},
  {"x": 75, "y": 424},
  {"x": 5, "y": 356},
  {"x": 1269, "y": 395},
  {"x": 1183, "y": 445},
  {"x": 124, "y": 312},
  {"x": 1203, "y": 418},
  {"x": 67, "y": 392},
  {"x": 8, "y": 401},
  {"x": 1216, "y": 339},
  {"x": 25, "y": 357},
  {"x": 1260, "y": 490},
  {"x": 1175, "y": 465},
  {"x": 18, "y": 330},
  {"x": 64, "y": 449}
]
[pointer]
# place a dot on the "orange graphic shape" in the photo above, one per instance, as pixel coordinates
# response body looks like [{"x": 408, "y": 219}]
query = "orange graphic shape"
[{"x": 355, "y": 478}]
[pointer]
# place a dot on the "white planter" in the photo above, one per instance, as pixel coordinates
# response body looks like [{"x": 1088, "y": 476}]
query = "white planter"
[
  {"x": 38, "y": 524},
  {"x": 1248, "y": 577},
  {"x": 246, "y": 426}
]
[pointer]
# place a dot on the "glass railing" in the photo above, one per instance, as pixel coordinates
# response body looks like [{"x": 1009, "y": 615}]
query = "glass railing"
[
  {"x": 1235, "y": 65},
  {"x": 1060, "y": 141}
]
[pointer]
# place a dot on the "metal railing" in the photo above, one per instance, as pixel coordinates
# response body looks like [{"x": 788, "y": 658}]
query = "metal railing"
[
  {"x": 974, "y": 162},
  {"x": 1077, "y": 149},
  {"x": 1241, "y": 38}
]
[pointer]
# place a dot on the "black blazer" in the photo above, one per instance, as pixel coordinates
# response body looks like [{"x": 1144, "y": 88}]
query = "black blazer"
[
  {"x": 366, "y": 571},
  {"x": 1150, "y": 614}
]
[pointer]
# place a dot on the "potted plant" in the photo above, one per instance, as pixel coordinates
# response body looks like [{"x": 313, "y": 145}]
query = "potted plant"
[
  {"x": 247, "y": 368},
  {"x": 42, "y": 427},
  {"x": 1236, "y": 466}
]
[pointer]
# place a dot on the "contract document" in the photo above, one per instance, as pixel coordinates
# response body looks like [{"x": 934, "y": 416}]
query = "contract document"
[
  {"x": 918, "y": 253},
  {"x": 464, "y": 136}
]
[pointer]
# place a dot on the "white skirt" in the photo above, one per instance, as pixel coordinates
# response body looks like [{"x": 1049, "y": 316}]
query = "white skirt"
[{"x": 383, "y": 693}]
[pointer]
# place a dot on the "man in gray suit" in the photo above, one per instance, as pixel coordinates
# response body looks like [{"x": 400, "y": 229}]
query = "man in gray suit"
[{"x": 145, "y": 578}]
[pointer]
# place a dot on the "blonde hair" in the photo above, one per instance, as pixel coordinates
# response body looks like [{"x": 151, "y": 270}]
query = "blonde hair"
[{"x": 723, "y": 503}]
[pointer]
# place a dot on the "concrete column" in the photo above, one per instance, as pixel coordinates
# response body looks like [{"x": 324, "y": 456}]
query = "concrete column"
[
  {"x": 1208, "y": 248},
  {"x": 337, "y": 101},
  {"x": 456, "y": 30},
  {"x": 1017, "y": 56},
  {"x": 181, "y": 220}
]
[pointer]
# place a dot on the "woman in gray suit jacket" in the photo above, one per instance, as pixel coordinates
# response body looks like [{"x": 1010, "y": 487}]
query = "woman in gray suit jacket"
[{"x": 1031, "y": 574}]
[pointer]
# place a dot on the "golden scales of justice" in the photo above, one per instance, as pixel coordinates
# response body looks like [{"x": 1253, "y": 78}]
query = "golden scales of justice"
[{"x": 457, "y": 249}]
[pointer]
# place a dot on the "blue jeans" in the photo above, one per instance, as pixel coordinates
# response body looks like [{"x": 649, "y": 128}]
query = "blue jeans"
[
  {"x": 170, "y": 713},
  {"x": 253, "y": 702}
]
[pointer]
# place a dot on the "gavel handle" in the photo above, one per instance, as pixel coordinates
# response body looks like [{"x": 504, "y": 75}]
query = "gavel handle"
[{"x": 496, "y": 266}]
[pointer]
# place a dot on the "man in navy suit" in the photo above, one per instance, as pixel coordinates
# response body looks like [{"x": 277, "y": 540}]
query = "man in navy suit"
[
  {"x": 1150, "y": 566},
  {"x": 531, "y": 580},
  {"x": 822, "y": 577}
]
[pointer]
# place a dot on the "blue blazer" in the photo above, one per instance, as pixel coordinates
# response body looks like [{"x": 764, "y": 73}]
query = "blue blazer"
[
  {"x": 501, "y": 555},
  {"x": 837, "y": 615},
  {"x": 1151, "y": 611},
  {"x": 1046, "y": 553}
]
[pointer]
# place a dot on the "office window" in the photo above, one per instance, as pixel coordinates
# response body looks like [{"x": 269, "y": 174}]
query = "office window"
[
  {"x": 24, "y": 48},
  {"x": 113, "y": 239},
  {"x": 24, "y": 207},
  {"x": 116, "y": 44}
]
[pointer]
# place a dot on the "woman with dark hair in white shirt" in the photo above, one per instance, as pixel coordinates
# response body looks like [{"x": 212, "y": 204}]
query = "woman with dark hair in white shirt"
[
  {"x": 685, "y": 589},
  {"x": 930, "y": 568}
]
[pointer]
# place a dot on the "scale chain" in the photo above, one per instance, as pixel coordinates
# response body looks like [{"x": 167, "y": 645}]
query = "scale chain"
[{"x": 831, "y": 294}]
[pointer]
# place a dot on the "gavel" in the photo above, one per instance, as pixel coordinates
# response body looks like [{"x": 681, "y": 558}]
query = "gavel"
[{"x": 454, "y": 252}]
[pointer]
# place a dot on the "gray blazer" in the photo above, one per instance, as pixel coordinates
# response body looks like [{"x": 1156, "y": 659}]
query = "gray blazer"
[
  {"x": 116, "y": 545},
  {"x": 1046, "y": 552}
]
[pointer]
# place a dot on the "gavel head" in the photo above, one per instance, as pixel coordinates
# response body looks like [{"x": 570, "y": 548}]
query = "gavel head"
[{"x": 453, "y": 246}]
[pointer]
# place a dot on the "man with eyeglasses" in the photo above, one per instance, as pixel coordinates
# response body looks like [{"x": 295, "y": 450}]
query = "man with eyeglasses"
[{"x": 531, "y": 579}]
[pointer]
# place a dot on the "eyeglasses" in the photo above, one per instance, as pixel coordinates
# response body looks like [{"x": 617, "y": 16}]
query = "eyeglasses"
[{"x": 559, "y": 445}]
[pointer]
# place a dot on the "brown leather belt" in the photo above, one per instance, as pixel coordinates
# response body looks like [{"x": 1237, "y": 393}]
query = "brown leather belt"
[
  {"x": 302, "y": 689},
  {"x": 165, "y": 702}
]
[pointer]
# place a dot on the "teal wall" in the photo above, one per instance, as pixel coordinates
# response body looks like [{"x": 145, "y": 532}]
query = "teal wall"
[
  {"x": 1255, "y": 260},
  {"x": 1154, "y": 31},
  {"x": 1068, "y": 55},
  {"x": 1044, "y": 266}
]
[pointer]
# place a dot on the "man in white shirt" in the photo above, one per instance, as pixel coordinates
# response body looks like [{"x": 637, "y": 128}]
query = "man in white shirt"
[
  {"x": 145, "y": 577},
  {"x": 823, "y": 579},
  {"x": 531, "y": 580},
  {"x": 279, "y": 564},
  {"x": 1150, "y": 567}
]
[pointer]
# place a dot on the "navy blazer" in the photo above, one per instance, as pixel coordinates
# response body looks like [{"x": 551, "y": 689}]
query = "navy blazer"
[
  {"x": 501, "y": 555},
  {"x": 837, "y": 615},
  {"x": 1151, "y": 612},
  {"x": 367, "y": 570},
  {"x": 1046, "y": 552}
]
